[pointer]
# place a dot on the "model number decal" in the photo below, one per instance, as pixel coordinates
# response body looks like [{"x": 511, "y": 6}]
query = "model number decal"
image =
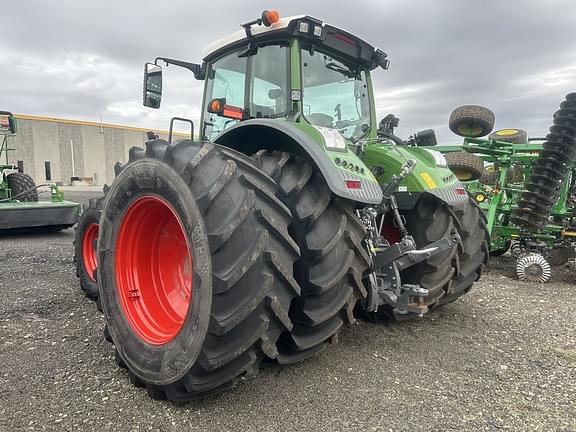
[{"x": 428, "y": 180}]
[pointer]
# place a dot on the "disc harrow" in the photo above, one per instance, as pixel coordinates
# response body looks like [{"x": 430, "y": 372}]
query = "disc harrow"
[{"x": 543, "y": 187}]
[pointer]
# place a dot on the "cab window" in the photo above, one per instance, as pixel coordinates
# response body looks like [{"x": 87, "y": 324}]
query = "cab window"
[{"x": 258, "y": 84}]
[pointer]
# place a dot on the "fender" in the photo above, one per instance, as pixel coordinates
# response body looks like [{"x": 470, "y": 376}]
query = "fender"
[
  {"x": 429, "y": 176},
  {"x": 338, "y": 166}
]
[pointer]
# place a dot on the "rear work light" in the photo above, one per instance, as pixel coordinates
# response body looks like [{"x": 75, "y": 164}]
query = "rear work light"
[
  {"x": 218, "y": 106},
  {"x": 353, "y": 184},
  {"x": 310, "y": 27}
]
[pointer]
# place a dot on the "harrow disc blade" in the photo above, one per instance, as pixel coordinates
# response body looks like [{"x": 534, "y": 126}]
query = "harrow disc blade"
[
  {"x": 551, "y": 173},
  {"x": 563, "y": 129},
  {"x": 547, "y": 162},
  {"x": 543, "y": 181},
  {"x": 538, "y": 199},
  {"x": 555, "y": 155}
]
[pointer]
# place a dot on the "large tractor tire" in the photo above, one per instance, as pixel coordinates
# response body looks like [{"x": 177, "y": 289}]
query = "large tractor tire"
[
  {"x": 514, "y": 136},
  {"x": 332, "y": 261},
  {"x": 22, "y": 187},
  {"x": 194, "y": 268},
  {"x": 450, "y": 274},
  {"x": 471, "y": 121},
  {"x": 85, "y": 247},
  {"x": 465, "y": 166},
  {"x": 473, "y": 251}
]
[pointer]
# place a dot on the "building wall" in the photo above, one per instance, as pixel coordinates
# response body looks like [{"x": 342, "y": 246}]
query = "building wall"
[{"x": 73, "y": 148}]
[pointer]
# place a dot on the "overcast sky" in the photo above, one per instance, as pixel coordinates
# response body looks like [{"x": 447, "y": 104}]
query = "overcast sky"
[{"x": 84, "y": 59}]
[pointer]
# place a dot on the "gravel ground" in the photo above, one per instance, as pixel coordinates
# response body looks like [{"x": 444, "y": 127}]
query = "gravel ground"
[{"x": 503, "y": 357}]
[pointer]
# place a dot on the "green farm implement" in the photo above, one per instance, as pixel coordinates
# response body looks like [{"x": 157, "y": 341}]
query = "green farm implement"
[
  {"x": 295, "y": 212},
  {"x": 527, "y": 189},
  {"x": 19, "y": 204}
]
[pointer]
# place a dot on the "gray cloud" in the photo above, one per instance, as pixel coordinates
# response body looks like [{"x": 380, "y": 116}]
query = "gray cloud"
[{"x": 84, "y": 60}]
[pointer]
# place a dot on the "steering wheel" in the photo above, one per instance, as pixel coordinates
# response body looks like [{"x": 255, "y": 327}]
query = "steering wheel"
[{"x": 321, "y": 119}]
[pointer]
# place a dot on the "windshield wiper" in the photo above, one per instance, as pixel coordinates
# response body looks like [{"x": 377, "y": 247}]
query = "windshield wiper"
[{"x": 348, "y": 73}]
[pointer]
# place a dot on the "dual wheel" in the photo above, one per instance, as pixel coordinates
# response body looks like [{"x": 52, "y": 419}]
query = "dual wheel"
[{"x": 210, "y": 262}]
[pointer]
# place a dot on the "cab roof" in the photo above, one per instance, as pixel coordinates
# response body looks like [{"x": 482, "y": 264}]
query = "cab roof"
[{"x": 339, "y": 42}]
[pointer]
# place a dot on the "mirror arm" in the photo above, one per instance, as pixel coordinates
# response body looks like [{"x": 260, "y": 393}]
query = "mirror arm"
[{"x": 199, "y": 71}]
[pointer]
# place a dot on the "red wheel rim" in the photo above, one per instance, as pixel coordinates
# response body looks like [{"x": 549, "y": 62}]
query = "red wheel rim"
[
  {"x": 153, "y": 267},
  {"x": 89, "y": 249}
]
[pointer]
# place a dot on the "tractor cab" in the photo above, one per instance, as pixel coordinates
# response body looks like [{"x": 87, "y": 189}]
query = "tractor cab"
[{"x": 296, "y": 68}]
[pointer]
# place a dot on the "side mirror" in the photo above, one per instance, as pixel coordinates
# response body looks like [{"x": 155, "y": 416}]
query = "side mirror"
[
  {"x": 388, "y": 124},
  {"x": 8, "y": 123},
  {"x": 152, "y": 85},
  {"x": 426, "y": 138}
]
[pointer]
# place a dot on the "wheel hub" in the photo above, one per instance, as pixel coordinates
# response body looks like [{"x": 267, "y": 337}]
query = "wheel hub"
[
  {"x": 153, "y": 267},
  {"x": 89, "y": 249},
  {"x": 534, "y": 271}
]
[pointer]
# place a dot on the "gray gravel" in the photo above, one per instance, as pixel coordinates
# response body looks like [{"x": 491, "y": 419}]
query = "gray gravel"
[{"x": 503, "y": 357}]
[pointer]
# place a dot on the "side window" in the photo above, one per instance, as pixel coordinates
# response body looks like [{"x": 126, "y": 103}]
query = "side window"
[
  {"x": 269, "y": 82},
  {"x": 266, "y": 86},
  {"x": 228, "y": 79}
]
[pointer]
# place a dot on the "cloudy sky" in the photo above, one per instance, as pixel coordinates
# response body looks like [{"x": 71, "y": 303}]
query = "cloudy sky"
[{"x": 83, "y": 60}]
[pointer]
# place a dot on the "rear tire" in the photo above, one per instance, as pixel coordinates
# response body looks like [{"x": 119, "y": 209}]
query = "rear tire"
[
  {"x": 333, "y": 260},
  {"x": 85, "y": 247},
  {"x": 224, "y": 220},
  {"x": 20, "y": 183},
  {"x": 473, "y": 251}
]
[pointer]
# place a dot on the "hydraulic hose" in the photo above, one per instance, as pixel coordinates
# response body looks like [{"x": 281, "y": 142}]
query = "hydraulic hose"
[{"x": 12, "y": 198}]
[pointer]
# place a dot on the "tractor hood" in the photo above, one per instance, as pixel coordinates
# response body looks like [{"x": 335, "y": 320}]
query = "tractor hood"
[{"x": 429, "y": 175}]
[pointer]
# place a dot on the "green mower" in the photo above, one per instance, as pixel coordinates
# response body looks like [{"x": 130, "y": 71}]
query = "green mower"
[
  {"x": 19, "y": 205},
  {"x": 293, "y": 213}
]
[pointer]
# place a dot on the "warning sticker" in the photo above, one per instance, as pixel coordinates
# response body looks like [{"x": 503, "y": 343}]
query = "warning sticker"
[{"x": 428, "y": 180}]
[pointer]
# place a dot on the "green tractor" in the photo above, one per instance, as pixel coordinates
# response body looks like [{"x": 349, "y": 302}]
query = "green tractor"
[
  {"x": 293, "y": 213},
  {"x": 526, "y": 186},
  {"x": 19, "y": 204}
]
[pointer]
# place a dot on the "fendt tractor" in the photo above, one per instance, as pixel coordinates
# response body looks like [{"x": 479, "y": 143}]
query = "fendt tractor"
[
  {"x": 293, "y": 213},
  {"x": 20, "y": 208}
]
